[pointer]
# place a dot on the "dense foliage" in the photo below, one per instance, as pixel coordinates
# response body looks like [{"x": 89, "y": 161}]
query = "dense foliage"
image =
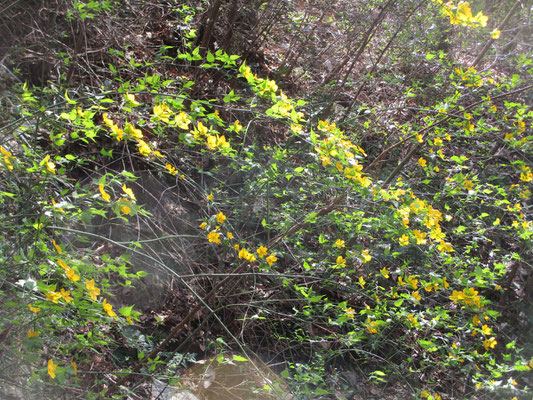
[{"x": 367, "y": 227}]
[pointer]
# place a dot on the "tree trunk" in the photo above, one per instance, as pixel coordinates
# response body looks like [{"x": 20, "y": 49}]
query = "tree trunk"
[
  {"x": 487, "y": 46},
  {"x": 212, "y": 15}
]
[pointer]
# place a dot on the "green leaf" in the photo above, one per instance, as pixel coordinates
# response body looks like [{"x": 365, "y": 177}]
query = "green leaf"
[
  {"x": 210, "y": 57},
  {"x": 107, "y": 153},
  {"x": 315, "y": 299},
  {"x": 69, "y": 101},
  {"x": 240, "y": 358},
  {"x": 125, "y": 311},
  {"x": 128, "y": 174}
]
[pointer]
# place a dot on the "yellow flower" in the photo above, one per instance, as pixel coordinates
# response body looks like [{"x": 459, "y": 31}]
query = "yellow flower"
[
  {"x": 52, "y": 368},
  {"x": 412, "y": 319},
  {"x": 108, "y": 308},
  {"x": 58, "y": 249},
  {"x": 237, "y": 126},
  {"x": 182, "y": 120},
  {"x": 495, "y": 34},
  {"x": 69, "y": 272},
  {"x": 476, "y": 321},
  {"x": 107, "y": 121},
  {"x": 50, "y": 166},
  {"x": 362, "y": 282},
  {"x": 5, "y": 152},
  {"x": 486, "y": 330},
  {"x": 203, "y": 225},
  {"x": 171, "y": 169},
  {"x": 365, "y": 255},
  {"x": 420, "y": 236},
  {"x": 404, "y": 240},
  {"x": 490, "y": 343},
  {"x": 214, "y": 142},
  {"x": 236, "y": 246},
  {"x": 371, "y": 326},
  {"x": 74, "y": 367},
  {"x": 339, "y": 244},
  {"x": 468, "y": 184},
  {"x": 526, "y": 175},
  {"x": 162, "y": 112},
  {"x": 211, "y": 142},
  {"x": 262, "y": 251},
  {"x": 31, "y": 333},
  {"x": 33, "y": 309},
  {"x": 143, "y": 148},
  {"x": 66, "y": 295},
  {"x": 63, "y": 264},
  {"x": 271, "y": 259},
  {"x": 229, "y": 235},
  {"x": 341, "y": 262},
  {"x": 220, "y": 217},
  {"x": 129, "y": 192},
  {"x": 125, "y": 209},
  {"x": 422, "y": 162},
  {"x": 53, "y": 296},
  {"x": 214, "y": 236},
  {"x": 385, "y": 272},
  {"x": 119, "y": 133},
  {"x": 401, "y": 282},
  {"x": 419, "y": 138},
  {"x": 93, "y": 290},
  {"x": 201, "y": 129},
  {"x": 468, "y": 296},
  {"x": 444, "y": 247},
  {"x": 210, "y": 196},
  {"x": 445, "y": 283},
  {"x": 130, "y": 98},
  {"x": 416, "y": 295},
  {"x": 105, "y": 195},
  {"x": 129, "y": 129},
  {"x": 350, "y": 312},
  {"x": 437, "y": 141},
  {"x": 404, "y": 214},
  {"x": 243, "y": 253},
  {"x": 412, "y": 282},
  {"x": 130, "y": 321}
]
